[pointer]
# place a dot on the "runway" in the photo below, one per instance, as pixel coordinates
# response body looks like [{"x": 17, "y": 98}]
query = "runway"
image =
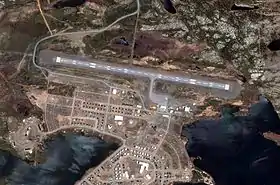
[{"x": 78, "y": 62}]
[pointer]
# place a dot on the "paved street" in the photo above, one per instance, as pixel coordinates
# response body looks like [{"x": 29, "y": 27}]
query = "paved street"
[
  {"x": 142, "y": 147},
  {"x": 150, "y": 152}
]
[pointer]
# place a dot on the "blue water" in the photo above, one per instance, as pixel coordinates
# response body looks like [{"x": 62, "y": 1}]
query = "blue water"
[
  {"x": 68, "y": 157},
  {"x": 233, "y": 150}
]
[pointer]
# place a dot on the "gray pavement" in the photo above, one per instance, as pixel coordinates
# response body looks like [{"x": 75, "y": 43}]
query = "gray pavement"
[{"x": 47, "y": 56}]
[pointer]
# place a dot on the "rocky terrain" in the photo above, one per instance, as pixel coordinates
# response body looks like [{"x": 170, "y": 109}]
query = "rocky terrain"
[{"x": 199, "y": 37}]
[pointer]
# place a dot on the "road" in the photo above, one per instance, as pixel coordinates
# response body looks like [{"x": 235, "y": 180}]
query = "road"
[
  {"x": 52, "y": 57},
  {"x": 225, "y": 90},
  {"x": 47, "y": 56},
  {"x": 88, "y": 64},
  {"x": 86, "y": 32}
]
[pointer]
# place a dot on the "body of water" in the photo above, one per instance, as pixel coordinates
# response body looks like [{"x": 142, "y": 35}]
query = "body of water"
[
  {"x": 67, "y": 159},
  {"x": 233, "y": 150}
]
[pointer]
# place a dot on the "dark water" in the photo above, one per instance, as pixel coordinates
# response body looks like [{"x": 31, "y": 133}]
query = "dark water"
[
  {"x": 67, "y": 3},
  {"x": 233, "y": 150},
  {"x": 168, "y": 6},
  {"x": 68, "y": 157},
  {"x": 274, "y": 45}
]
